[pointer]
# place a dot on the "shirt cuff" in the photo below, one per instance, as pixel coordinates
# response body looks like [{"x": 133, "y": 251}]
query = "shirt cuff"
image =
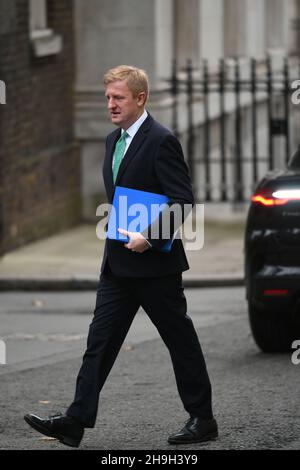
[{"x": 147, "y": 241}]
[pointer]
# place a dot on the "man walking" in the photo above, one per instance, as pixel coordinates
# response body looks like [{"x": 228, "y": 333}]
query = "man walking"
[{"x": 141, "y": 154}]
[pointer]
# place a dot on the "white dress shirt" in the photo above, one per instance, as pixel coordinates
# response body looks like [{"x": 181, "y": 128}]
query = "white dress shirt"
[{"x": 131, "y": 131}]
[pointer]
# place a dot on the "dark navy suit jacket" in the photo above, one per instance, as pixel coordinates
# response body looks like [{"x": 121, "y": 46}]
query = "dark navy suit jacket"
[{"x": 154, "y": 162}]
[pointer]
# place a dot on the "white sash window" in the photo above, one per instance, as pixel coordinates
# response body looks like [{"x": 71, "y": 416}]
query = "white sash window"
[{"x": 44, "y": 41}]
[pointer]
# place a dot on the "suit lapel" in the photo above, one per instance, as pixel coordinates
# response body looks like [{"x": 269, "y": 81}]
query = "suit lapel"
[
  {"x": 107, "y": 169},
  {"x": 134, "y": 146}
]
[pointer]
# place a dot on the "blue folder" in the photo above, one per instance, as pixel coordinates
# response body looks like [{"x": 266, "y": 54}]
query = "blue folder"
[{"x": 135, "y": 210}]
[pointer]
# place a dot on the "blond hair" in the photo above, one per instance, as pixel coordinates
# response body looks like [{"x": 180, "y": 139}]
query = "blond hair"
[{"x": 136, "y": 79}]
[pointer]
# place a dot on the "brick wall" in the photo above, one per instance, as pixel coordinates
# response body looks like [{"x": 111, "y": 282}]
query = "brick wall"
[{"x": 39, "y": 159}]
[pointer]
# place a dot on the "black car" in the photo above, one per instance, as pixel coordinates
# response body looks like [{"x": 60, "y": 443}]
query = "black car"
[{"x": 272, "y": 259}]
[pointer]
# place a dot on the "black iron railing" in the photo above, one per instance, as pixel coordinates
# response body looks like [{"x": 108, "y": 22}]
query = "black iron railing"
[{"x": 239, "y": 168}]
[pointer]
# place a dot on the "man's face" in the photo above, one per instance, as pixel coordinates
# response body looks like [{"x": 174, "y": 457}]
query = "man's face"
[{"x": 124, "y": 109}]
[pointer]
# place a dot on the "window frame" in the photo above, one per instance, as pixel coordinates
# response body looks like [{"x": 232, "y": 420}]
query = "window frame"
[
  {"x": 43, "y": 39},
  {"x": 38, "y": 20}
]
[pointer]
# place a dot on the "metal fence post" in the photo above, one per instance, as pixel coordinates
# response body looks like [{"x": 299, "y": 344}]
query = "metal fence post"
[
  {"x": 254, "y": 121},
  {"x": 222, "y": 128},
  {"x": 174, "y": 93},
  {"x": 286, "y": 92},
  {"x": 190, "y": 122},
  {"x": 206, "y": 131},
  {"x": 238, "y": 136},
  {"x": 270, "y": 100}
]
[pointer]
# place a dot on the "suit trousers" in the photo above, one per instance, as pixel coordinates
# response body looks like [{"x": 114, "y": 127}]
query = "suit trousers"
[{"x": 117, "y": 301}]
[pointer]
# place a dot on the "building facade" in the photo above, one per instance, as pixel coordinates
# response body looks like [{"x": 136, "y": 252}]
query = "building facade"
[
  {"x": 50, "y": 175},
  {"x": 39, "y": 159},
  {"x": 150, "y": 34}
]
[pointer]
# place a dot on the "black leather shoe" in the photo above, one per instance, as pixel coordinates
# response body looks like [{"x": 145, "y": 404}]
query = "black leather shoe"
[
  {"x": 195, "y": 430},
  {"x": 66, "y": 429}
]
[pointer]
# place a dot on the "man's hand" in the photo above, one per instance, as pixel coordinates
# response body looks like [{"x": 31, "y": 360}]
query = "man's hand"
[{"x": 137, "y": 242}]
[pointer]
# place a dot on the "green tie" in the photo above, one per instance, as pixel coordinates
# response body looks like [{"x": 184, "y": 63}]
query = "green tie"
[{"x": 118, "y": 155}]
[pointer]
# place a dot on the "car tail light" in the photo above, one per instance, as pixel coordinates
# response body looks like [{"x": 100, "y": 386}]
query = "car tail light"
[
  {"x": 268, "y": 201},
  {"x": 276, "y": 198},
  {"x": 276, "y": 292}
]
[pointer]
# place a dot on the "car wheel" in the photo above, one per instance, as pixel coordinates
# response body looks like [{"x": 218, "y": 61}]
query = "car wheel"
[{"x": 272, "y": 331}]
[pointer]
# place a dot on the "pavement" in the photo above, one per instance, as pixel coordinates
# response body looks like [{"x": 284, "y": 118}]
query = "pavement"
[
  {"x": 255, "y": 398},
  {"x": 71, "y": 260},
  {"x": 139, "y": 404}
]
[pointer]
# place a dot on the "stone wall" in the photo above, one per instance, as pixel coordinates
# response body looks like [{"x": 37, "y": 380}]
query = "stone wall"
[{"x": 39, "y": 159}]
